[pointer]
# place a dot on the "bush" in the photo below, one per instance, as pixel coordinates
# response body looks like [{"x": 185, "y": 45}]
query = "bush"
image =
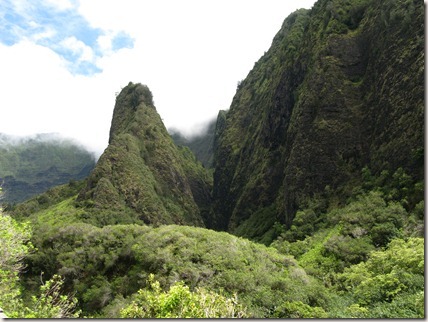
[
  {"x": 49, "y": 303},
  {"x": 180, "y": 302},
  {"x": 299, "y": 310}
]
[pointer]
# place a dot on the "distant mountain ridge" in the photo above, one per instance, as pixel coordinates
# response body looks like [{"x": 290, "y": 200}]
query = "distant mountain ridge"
[{"x": 33, "y": 164}]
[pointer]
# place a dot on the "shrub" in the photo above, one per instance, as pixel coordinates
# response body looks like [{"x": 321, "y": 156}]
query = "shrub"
[
  {"x": 180, "y": 302},
  {"x": 387, "y": 273},
  {"x": 299, "y": 310},
  {"x": 49, "y": 303}
]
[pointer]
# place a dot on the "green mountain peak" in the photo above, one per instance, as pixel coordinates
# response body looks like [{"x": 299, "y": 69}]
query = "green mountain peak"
[{"x": 142, "y": 174}]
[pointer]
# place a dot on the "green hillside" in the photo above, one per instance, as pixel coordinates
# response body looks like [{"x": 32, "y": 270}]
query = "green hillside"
[
  {"x": 30, "y": 166},
  {"x": 343, "y": 270}
]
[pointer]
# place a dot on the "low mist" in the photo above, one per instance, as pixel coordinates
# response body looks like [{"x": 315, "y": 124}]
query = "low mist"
[{"x": 7, "y": 140}]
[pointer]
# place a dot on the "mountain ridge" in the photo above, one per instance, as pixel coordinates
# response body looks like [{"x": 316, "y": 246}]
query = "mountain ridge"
[
  {"x": 31, "y": 165},
  {"x": 201, "y": 145}
]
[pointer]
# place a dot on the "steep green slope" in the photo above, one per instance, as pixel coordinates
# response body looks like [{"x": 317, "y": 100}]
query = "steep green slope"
[
  {"x": 30, "y": 166},
  {"x": 340, "y": 89},
  {"x": 142, "y": 175},
  {"x": 201, "y": 144}
]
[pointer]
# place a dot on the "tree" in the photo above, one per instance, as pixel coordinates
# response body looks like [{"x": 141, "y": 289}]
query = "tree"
[
  {"x": 388, "y": 274},
  {"x": 299, "y": 310}
]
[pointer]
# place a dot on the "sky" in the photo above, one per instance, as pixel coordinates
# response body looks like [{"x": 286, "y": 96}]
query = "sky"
[{"x": 62, "y": 62}]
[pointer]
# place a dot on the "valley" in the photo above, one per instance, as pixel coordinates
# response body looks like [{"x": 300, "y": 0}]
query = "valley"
[{"x": 305, "y": 199}]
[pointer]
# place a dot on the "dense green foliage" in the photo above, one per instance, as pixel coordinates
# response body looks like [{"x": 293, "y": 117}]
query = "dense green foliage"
[
  {"x": 30, "y": 166},
  {"x": 49, "y": 302},
  {"x": 340, "y": 270},
  {"x": 180, "y": 302},
  {"x": 387, "y": 274},
  {"x": 104, "y": 266},
  {"x": 364, "y": 252}
]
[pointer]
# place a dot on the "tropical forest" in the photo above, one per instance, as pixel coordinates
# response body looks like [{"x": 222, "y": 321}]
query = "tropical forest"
[{"x": 304, "y": 199}]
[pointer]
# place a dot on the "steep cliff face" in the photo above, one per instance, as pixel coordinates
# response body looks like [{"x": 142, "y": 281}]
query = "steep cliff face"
[
  {"x": 340, "y": 88},
  {"x": 142, "y": 173}
]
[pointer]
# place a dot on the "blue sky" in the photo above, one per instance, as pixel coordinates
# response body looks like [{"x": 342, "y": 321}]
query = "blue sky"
[
  {"x": 63, "y": 61},
  {"x": 60, "y": 28}
]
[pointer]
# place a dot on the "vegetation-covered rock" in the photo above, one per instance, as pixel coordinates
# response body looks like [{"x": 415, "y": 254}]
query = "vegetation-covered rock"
[
  {"x": 200, "y": 144},
  {"x": 340, "y": 89},
  {"x": 142, "y": 175}
]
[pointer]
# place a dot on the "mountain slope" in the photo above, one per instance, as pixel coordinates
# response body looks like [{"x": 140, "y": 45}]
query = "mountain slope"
[
  {"x": 201, "y": 145},
  {"x": 142, "y": 173},
  {"x": 32, "y": 165},
  {"x": 340, "y": 89}
]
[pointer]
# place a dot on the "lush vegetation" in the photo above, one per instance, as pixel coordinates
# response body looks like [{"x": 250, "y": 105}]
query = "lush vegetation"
[
  {"x": 32, "y": 165},
  {"x": 180, "y": 302},
  {"x": 106, "y": 266},
  {"x": 48, "y": 302},
  {"x": 365, "y": 259}
]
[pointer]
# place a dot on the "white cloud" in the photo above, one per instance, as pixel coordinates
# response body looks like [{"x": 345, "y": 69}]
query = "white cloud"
[
  {"x": 40, "y": 95},
  {"x": 78, "y": 48},
  {"x": 104, "y": 43},
  {"x": 190, "y": 53},
  {"x": 61, "y": 4},
  {"x": 48, "y": 32}
]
